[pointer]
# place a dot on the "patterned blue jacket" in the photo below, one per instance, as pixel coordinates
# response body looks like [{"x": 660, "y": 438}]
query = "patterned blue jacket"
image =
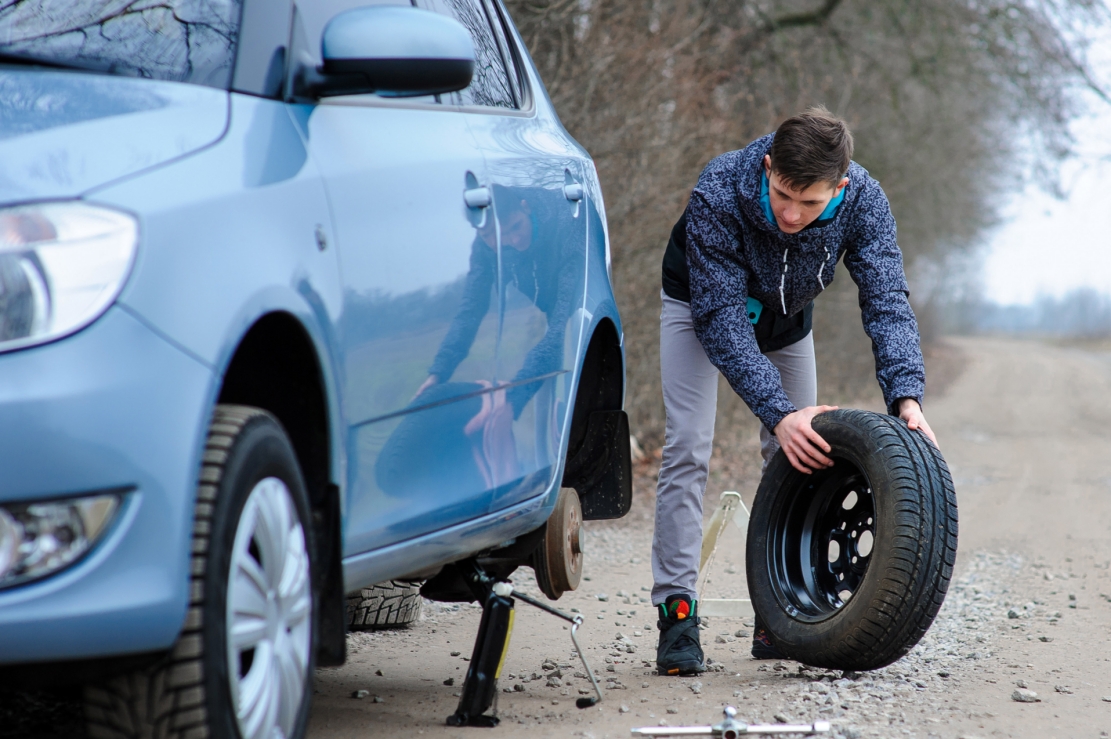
[{"x": 733, "y": 252}]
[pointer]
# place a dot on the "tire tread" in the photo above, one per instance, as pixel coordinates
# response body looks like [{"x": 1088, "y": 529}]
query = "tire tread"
[
  {"x": 165, "y": 700},
  {"x": 391, "y": 604}
]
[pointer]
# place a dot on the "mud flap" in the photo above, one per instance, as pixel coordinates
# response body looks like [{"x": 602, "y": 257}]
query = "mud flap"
[
  {"x": 331, "y": 646},
  {"x": 601, "y": 468}
]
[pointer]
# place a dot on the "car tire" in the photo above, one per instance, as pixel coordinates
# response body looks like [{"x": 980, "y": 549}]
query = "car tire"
[
  {"x": 387, "y": 605},
  {"x": 848, "y": 567},
  {"x": 249, "y": 639}
]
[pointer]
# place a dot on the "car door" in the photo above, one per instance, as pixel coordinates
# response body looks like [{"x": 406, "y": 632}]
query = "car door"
[
  {"x": 418, "y": 251},
  {"x": 535, "y": 173}
]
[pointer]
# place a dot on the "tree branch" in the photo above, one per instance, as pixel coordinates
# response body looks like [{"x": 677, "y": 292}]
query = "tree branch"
[{"x": 810, "y": 18}]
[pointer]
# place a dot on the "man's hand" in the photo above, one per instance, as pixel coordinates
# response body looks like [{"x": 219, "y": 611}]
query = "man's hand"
[
  {"x": 432, "y": 380},
  {"x": 911, "y": 412},
  {"x": 801, "y": 443}
]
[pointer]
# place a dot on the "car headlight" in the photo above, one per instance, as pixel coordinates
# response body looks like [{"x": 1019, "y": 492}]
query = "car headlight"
[
  {"x": 61, "y": 266},
  {"x": 39, "y": 539}
]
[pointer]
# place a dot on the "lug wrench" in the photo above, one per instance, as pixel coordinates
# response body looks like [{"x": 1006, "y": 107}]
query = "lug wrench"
[{"x": 731, "y": 728}]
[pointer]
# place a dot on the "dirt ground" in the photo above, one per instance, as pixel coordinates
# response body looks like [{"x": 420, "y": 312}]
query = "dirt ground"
[
  {"x": 1023, "y": 425},
  {"x": 1024, "y": 429}
]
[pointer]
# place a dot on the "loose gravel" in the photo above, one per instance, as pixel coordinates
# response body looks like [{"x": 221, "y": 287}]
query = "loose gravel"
[
  {"x": 916, "y": 689},
  {"x": 925, "y": 694},
  {"x": 1032, "y": 478}
]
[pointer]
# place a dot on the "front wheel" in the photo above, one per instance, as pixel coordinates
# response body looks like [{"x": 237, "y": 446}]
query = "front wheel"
[
  {"x": 848, "y": 567},
  {"x": 243, "y": 664}
]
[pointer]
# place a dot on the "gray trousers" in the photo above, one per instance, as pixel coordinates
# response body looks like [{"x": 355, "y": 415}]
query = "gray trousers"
[{"x": 690, "y": 385}]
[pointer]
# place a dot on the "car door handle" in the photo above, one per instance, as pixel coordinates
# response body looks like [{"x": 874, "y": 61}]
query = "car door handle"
[
  {"x": 573, "y": 191},
  {"x": 478, "y": 197}
]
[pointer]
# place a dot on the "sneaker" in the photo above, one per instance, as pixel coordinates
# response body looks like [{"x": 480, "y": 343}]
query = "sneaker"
[
  {"x": 762, "y": 645},
  {"x": 679, "y": 651}
]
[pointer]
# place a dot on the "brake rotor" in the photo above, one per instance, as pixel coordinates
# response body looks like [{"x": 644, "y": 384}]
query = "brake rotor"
[{"x": 558, "y": 560}]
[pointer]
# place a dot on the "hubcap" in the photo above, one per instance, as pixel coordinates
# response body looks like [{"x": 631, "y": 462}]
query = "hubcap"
[
  {"x": 269, "y": 614},
  {"x": 821, "y": 543}
]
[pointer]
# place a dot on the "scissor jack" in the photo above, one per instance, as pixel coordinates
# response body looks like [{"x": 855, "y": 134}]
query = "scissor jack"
[{"x": 480, "y": 688}]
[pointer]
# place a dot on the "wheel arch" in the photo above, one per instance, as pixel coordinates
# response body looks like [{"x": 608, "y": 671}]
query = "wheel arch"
[
  {"x": 601, "y": 385},
  {"x": 276, "y": 366},
  {"x": 599, "y": 459}
]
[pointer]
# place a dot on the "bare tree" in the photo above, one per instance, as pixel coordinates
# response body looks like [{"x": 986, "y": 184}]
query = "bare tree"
[{"x": 942, "y": 96}]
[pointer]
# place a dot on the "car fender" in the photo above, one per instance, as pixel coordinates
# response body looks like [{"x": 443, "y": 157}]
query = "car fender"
[
  {"x": 279, "y": 299},
  {"x": 233, "y": 233}
]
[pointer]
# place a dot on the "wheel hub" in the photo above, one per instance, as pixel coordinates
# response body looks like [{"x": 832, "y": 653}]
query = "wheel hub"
[
  {"x": 560, "y": 562},
  {"x": 849, "y": 535},
  {"x": 821, "y": 543}
]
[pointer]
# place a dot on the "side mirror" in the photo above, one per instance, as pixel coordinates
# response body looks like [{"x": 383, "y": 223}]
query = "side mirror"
[{"x": 391, "y": 50}]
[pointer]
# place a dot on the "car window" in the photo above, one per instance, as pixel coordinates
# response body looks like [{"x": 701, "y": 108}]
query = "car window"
[
  {"x": 490, "y": 86},
  {"x": 177, "y": 40},
  {"x": 498, "y": 20}
]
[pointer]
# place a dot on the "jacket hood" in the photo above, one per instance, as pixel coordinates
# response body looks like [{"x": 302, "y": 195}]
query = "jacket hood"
[
  {"x": 750, "y": 166},
  {"x": 64, "y": 133}
]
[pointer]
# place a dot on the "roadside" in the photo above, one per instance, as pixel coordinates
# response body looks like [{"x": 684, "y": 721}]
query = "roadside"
[{"x": 1022, "y": 428}]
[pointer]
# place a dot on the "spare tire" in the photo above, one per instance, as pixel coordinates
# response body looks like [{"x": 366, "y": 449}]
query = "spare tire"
[{"x": 847, "y": 567}]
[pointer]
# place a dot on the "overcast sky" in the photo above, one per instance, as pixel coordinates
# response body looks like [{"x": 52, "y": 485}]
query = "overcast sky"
[{"x": 1049, "y": 246}]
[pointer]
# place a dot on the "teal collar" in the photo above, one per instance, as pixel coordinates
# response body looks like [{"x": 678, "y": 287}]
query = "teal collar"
[{"x": 765, "y": 201}]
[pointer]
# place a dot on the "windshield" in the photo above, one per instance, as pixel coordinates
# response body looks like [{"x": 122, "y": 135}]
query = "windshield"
[{"x": 177, "y": 40}]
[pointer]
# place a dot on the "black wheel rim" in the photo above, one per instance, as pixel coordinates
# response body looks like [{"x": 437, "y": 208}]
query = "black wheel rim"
[{"x": 821, "y": 541}]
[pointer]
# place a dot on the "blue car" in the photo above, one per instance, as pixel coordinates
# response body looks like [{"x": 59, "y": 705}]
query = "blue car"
[{"x": 295, "y": 299}]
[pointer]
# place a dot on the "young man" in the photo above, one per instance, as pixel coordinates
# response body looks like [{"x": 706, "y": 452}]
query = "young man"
[{"x": 759, "y": 240}]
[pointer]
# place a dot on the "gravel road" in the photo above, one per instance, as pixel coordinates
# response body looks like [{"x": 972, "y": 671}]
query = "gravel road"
[{"x": 1019, "y": 648}]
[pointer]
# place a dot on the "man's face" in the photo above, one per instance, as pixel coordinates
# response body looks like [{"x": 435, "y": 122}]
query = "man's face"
[
  {"x": 516, "y": 229},
  {"x": 794, "y": 210}
]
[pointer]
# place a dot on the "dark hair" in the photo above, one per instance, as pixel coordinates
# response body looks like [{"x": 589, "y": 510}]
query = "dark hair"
[{"x": 811, "y": 147}]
